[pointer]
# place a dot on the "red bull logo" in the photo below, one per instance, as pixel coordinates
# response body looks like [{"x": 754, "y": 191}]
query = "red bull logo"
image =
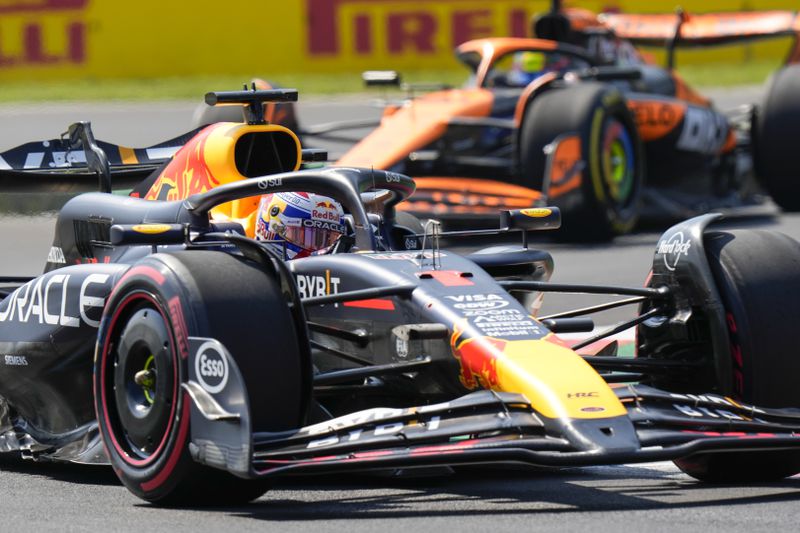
[
  {"x": 325, "y": 211},
  {"x": 477, "y": 357},
  {"x": 186, "y": 174}
]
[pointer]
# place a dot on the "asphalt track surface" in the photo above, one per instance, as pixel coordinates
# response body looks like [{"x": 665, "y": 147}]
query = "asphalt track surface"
[{"x": 651, "y": 497}]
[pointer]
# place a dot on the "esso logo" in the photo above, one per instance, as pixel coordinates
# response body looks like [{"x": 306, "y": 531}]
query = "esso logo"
[{"x": 211, "y": 368}]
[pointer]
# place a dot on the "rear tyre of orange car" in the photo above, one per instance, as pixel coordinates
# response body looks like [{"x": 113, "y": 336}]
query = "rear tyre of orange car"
[
  {"x": 776, "y": 129},
  {"x": 756, "y": 274},
  {"x": 604, "y": 201},
  {"x": 142, "y": 410}
]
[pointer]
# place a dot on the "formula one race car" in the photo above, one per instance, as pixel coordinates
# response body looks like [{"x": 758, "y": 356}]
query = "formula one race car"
[
  {"x": 201, "y": 364},
  {"x": 625, "y": 137}
]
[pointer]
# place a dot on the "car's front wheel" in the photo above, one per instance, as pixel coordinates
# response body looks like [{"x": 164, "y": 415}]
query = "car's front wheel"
[
  {"x": 142, "y": 409},
  {"x": 756, "y": 273}
]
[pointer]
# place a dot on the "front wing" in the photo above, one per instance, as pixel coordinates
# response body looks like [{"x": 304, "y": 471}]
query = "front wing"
[
  {"x": 490, "y": 427},
  {"x": 481, "y": 427}
]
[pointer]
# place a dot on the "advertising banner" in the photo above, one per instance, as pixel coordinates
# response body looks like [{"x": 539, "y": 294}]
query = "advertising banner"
[{"x": 63, "y": 39}]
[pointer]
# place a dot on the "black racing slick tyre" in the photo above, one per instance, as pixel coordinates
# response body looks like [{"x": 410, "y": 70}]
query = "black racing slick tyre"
[
  {"x": 756, "y": 273},
  {"x": 143, "y": 411},
  {"x": 601, "y": 200},
  {"x": 776, "y": 130}
]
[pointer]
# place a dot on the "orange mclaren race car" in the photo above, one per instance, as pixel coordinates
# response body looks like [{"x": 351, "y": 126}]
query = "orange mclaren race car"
[{"x": 625, "y": 137}]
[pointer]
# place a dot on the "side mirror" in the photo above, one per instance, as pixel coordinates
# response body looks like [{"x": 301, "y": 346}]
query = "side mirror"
[
  {"x": 381, "y": 78},
  {"x": 532, "y": 219}
]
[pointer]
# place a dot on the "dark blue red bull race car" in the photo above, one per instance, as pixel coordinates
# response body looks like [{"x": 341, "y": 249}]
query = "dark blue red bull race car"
[{"x": 200, "y": 364}]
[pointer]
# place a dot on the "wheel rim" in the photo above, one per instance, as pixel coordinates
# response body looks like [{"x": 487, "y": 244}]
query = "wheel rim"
[
  {"x": 140, "y": 388},
  {"x": 618, "y": 161},
  {"x": 148, "y": 380}
]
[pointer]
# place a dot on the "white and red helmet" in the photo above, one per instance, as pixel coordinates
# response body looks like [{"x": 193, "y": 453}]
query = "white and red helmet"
[{"x": 299, "y": 223}]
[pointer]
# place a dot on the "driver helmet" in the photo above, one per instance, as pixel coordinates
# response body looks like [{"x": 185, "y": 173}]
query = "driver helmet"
[
  {"x": 526, "y": 67},
  {"x": 299, "y": 224}
]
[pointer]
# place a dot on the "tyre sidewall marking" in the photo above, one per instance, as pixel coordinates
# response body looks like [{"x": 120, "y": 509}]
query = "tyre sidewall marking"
[{"x": 594, "y": 156}]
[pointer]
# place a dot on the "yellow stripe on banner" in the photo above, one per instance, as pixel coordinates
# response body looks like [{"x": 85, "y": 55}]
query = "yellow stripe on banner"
[{"x": 128, "y": 156}]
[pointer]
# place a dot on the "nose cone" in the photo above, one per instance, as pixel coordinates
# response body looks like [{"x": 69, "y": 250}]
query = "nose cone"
[{"x": 556, "y": 380}]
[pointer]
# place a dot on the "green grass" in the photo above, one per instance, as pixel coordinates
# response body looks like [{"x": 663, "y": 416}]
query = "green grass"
[
  {"x": 310, "y": 85},
  {"x": 193, "y": 87},
  {"x": 727, "y": 75}
]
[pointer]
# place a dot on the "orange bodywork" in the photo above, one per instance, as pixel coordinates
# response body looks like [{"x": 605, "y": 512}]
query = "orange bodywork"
[
  {"x": 656, "y": 118},
  {"x": 794, "y": 54},
  {"x": 453, "y": 195},
  {"x": 567, "y": 155},
  {"x": 417, "y": 125},
  {"x": 496, "y": 46},
  {"x": 697, "y": 28},
  {"x": 527, "y": 92},
  {"x": 492, "y": 48},
  {"x": 730, "y": 142},
  {"x": 422, "y": 121},
  {"x": 687, "y": 94},
  {"x": 582, "y": 19}
]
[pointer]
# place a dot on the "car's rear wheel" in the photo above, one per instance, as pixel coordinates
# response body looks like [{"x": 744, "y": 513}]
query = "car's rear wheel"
[
  {"x": 775, "y": 133},
  {"x": 604, "y": 201},
  {"x": 142, "y": 410},
  {"x": 757, "y": 276}
]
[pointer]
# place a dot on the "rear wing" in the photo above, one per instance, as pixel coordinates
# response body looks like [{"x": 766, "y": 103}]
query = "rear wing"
[
  {"x": 706, "y": 29},
  {"x": 77, "y": 162}
]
